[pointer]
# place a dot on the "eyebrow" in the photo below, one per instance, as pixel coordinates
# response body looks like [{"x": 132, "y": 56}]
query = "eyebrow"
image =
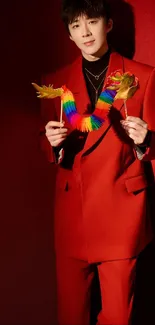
[{"x": 76, "y": 20}]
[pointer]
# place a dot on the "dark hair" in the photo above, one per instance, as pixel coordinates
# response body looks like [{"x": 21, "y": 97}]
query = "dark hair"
[{"x": 72, "y": 9}]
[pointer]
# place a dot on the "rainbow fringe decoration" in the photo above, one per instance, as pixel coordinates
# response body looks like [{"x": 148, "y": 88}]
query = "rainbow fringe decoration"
[
  {"x": 119, "y": 85},
  {"x": 87, "y": 123}
]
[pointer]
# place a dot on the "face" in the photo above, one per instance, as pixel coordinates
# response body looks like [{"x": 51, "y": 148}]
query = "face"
[{"x": 90, "y": 36}]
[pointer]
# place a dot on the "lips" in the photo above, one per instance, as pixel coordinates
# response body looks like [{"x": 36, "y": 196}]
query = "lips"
[{"x": 89, "y": 43}]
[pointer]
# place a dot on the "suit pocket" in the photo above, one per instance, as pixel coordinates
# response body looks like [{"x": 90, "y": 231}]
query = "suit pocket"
[{"x": 136, "y": 184}]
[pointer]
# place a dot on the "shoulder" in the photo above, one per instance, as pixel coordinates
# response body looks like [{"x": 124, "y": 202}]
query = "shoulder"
[
  {"x": 138, "y": 65},
  {"x": 133, "y": 64},
  {"x": 141, "y": 70},
  {"x": 60, "y": 76}
]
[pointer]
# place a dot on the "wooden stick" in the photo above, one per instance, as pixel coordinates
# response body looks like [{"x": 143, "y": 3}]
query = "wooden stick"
[
  {"x": 61, "y": 112},
  {"x": 126, "y": 110}
]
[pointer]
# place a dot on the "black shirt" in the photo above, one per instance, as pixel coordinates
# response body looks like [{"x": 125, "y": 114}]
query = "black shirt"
[{"x": 94, "y": 85}]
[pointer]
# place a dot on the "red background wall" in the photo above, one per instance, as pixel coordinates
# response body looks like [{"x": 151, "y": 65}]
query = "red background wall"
[{"x": 32, "y": 43}]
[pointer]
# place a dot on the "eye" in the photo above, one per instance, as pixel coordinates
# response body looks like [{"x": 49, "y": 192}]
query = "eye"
[
  {"x": 93, "y": 21},
  {"x": 75, "y": 26}
]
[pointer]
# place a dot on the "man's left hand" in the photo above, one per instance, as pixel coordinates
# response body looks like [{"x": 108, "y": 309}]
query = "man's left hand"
[{"x": 135, "y": 128}]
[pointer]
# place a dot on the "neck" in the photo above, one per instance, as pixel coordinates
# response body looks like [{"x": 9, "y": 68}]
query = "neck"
[{"x": 96, "y": 56}]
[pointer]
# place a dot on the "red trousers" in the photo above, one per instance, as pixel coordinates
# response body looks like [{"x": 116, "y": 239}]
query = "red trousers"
[{"x": 74, "y": 279}]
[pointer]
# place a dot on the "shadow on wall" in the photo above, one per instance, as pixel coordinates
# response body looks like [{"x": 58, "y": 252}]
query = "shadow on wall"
[{"x": 122, "y": 37}]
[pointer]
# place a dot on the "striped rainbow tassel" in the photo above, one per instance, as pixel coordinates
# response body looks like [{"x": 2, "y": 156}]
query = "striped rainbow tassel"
[{"x": 87, "y": 123}]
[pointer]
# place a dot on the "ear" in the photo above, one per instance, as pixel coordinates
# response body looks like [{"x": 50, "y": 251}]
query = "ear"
[
  {"x": 109, "y": 25},
  {"x": 70, "y": 37}
]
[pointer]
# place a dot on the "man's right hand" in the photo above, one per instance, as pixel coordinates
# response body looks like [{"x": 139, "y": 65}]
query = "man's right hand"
[{"x": 56, "y": 133}]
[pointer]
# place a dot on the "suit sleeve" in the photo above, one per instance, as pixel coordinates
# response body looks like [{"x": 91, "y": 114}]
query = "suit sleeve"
[{"x": 149, "y": 116}]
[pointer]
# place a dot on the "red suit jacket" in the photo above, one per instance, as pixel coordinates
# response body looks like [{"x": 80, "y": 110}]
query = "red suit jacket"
[{"x": 101, "y": 202}]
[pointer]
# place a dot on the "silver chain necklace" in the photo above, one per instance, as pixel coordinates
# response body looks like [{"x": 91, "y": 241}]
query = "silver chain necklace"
[
  {"x": 96, "y": 89},
  {"x": 97, "y": 76}
]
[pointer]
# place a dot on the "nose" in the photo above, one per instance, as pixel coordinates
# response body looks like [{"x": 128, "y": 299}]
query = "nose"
[{"x": 85, "y": 31}]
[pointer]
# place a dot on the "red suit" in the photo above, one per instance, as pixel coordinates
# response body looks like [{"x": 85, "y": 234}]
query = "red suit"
[{"x": 101, "y": 210}]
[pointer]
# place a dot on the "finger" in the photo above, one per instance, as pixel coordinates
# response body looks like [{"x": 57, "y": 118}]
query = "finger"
[
  {"x": 133, "y": 132},
  {"x": 56, "y": 143},
  {"x": 137, "y": 120},
  {"x": 132, "y": 125},
  {"x": 136, "y": 132},
  {"x": 51, "y": 132},
  {"x": 136, "y": 140},
  {"x": 53, "y": 124},
  {"x": 57, "y": 137},
  {"x": 137, "y": 137}
]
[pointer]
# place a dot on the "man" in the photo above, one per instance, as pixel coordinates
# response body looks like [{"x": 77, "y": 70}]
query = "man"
[{"x": 101, "y": 211}]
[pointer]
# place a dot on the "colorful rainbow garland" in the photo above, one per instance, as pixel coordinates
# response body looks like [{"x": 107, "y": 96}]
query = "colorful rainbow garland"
[
  {"x": 119, "y": 85},
  {"x": 87, "y": 123}
]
